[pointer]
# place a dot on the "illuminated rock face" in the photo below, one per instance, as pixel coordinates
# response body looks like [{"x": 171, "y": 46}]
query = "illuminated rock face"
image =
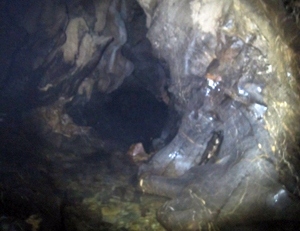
[{"x": 227, "y": 77}]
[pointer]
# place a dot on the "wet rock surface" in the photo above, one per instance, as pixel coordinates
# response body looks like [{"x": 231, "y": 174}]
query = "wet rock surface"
[
  {"x": 103, "y": 103},
  {"x": 224, "y": 80}
]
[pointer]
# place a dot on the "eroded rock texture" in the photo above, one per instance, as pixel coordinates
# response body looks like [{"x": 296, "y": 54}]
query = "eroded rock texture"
[
  {"x": 73, "y": 54},
  {"x": 227, "y": 77}
]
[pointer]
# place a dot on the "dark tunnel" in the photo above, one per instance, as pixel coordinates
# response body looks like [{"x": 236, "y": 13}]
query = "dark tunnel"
[
  {"x": 126, "y": 116},
  {"x": 149, "y": 115}
]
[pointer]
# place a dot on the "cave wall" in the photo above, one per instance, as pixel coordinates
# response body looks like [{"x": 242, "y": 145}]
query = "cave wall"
[
  {"x": 69, "y": 51},
  {"x": 201, "y": 38}
]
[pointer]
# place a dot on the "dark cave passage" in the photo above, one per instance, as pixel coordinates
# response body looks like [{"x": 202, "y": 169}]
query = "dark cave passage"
[{"x": 125, "y": 116}]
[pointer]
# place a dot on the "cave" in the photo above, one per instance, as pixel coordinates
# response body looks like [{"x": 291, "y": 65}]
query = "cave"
[
  {"x": 125, "y": 116},
  {"x": 149, "y": 115}
]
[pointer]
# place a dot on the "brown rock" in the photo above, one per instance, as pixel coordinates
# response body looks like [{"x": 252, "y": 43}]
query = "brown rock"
[{"x": 137, "y": 154}]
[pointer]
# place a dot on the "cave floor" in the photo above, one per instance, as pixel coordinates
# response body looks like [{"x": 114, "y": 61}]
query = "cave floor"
[
  {"x": 70, "y": 191},
  {"x": 100, "y": 193}
]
